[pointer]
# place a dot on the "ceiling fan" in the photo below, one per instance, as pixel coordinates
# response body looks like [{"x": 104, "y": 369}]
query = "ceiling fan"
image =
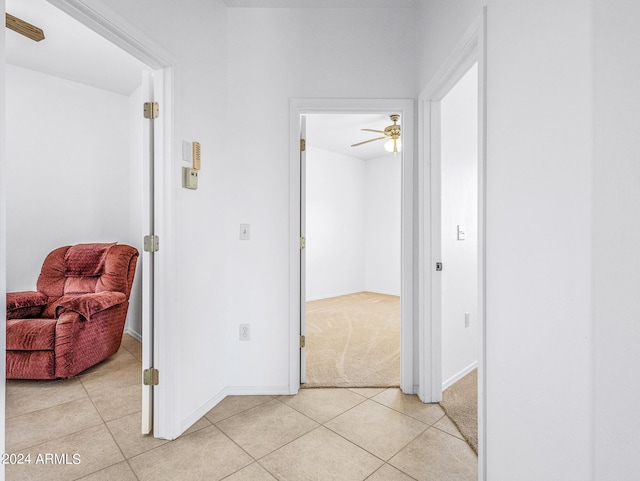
[
  {"x": 24, "y": 28},
  {"x": 391, "y": 134}
]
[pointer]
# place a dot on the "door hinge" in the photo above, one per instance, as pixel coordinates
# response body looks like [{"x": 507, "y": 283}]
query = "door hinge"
[
  {"x": 303, "y": 243},
  {"x": 151, "y": 243},
  {"x": 303, "y": 341},
  {"x": 150, "y": 377},
  {"x": 438, "y": 266},
  {"x": 303, "y": 145},
  {"x": 151, "y": 110}
]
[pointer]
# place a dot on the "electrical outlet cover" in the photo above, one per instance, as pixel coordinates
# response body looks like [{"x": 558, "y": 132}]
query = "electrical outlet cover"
[{"x": 245, "y": 333}]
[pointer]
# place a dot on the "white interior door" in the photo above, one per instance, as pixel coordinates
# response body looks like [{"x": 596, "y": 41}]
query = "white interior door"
[
  {"x": 148, "y": 285},
  {"x": 303, "y": 294}
]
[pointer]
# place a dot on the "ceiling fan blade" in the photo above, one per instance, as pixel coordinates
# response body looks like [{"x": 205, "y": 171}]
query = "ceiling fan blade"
[
  {"x": 376, "y": 131},
  {"x": 367, "y": 141},
  {"x": 24, "y": 28}
]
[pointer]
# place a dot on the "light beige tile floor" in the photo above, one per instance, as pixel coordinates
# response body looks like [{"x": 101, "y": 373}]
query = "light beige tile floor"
[{"x": 320, "y": 434}]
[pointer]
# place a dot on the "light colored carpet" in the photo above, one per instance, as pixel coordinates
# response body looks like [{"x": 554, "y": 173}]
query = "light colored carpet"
[
  {"x": 460, "y": 402},
  {"x": 353, "y": 341}
]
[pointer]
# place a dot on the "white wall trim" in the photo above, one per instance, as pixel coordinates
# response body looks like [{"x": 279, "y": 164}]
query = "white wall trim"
[
  {"x": 199, "y": 414},
  {"x": 459, "y": 375},
  {"x": 331, "y": 296},
  {"x": 462, "y": 58},
  {"x": 405, "y": 107},
  {"x": 118, "y": 31},
  {"x": 470, "y": 49},
  {"x": 135, "y": 334},
  {"x": 114, "y": 28},
  {"x": 257, "y": 390}
]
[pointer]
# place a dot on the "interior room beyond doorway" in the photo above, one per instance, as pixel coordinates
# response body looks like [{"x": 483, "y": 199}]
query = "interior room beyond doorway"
[{"x": 353, "y": 253}]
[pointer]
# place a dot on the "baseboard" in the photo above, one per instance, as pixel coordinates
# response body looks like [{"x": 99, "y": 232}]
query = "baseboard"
[
  {"x": 232, "y": 391},
  {"x": 208, "y": 406},
  {"x": 384, "y": 293},
  {"x": 258, "y": 391},
  {"x": 459, "y": 375},
  {"x": 330, "y": 296},
  {"x": 133, "y": 334}
]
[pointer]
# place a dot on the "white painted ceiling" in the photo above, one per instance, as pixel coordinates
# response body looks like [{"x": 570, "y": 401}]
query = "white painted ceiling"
[
  {"x": 337, "y": 132},
  {"x": 74, "y": 52},
  {"x": 70, "y": 50}
]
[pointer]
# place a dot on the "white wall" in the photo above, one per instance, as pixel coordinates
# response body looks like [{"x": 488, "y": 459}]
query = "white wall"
[
  {"x": 335, "y": 224},
  {"x": 383, "y": 224},
  {"x": 441, "y": 24},
  {"x": 459, "y": 177},
  {"x": 67, "y": 169},
  {"x": 616, "y": 250},
  {"x": 538, "y": 328},
  {"x": 353, "y": 224},
  {"x": 539, "y": 240},
  {"x": 274, "y": 55}
]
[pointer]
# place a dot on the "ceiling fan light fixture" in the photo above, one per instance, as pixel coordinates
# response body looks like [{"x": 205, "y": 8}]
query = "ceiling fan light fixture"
[
  {"x": 393, "y": 146},
  {"x": 391, "y": 133}
]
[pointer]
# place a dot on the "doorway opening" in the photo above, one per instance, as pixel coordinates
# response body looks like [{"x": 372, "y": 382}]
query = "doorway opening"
[
  {"x": 352, "y": 202},
  {"x": 453, "y": 133},
  {"x": 299, "y": 111},
  {"x": 119, "y": 210},
  {"x": 458, "y": 241}
]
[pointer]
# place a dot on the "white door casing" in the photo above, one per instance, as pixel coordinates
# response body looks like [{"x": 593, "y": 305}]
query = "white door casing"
[
  {"x": 471, "y": 49},
  {"x": 303, "y": 233},
  {"x": 148, "y": 226},
  {"x": 404, "y": 107}
]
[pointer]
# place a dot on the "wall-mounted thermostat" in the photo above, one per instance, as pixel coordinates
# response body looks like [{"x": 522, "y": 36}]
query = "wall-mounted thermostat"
[
  {"x": 191, "y": 153},
  {"x": 189, "y": 178}
]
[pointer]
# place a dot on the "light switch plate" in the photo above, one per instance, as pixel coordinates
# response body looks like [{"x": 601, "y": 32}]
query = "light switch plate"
[
  {"x": 245, "y": 232},
  {"x": 462, "y": 232}
]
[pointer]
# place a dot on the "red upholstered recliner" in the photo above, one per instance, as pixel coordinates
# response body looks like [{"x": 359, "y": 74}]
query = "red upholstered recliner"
[{"x": 76, "y": 317}]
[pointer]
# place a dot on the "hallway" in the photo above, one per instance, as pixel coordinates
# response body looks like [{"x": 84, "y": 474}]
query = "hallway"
[{"x": 356, "y": 434}]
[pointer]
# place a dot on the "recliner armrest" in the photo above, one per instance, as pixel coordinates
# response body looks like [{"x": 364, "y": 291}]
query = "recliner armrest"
[
  {"x": 25, "y": 304},
  {"x": 88, "y": 304}
]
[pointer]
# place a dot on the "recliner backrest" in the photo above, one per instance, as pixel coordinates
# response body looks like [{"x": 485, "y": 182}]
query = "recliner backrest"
[{"x": 87, "y": 268}]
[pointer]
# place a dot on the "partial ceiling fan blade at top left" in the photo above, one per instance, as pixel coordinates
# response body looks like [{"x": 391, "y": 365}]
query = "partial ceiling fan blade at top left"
[{"x": 24, "y": 28}]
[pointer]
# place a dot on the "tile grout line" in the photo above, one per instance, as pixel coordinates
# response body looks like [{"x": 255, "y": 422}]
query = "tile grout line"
[
  {"x": 58, "y": 437},
  {"x": 289, "y": 442},
  {"x": 384, "y": 461},
  {"x": 104, "y": 422},
  {"x": 337, "y": 415},
  {"x": 235, "y": 414},
  {"x": 406, "y": 414},
  {"x": 393, "y": 467}
]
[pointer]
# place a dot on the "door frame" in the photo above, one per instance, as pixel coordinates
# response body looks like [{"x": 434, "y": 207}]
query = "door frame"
[
  {"x": 114, "y": 28},
  {"x": 405, "y": 107},
  {"x": 470, "y": 49}
]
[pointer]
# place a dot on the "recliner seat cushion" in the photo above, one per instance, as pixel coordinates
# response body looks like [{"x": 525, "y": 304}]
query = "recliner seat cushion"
[{"x": 31, "y": 334}]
